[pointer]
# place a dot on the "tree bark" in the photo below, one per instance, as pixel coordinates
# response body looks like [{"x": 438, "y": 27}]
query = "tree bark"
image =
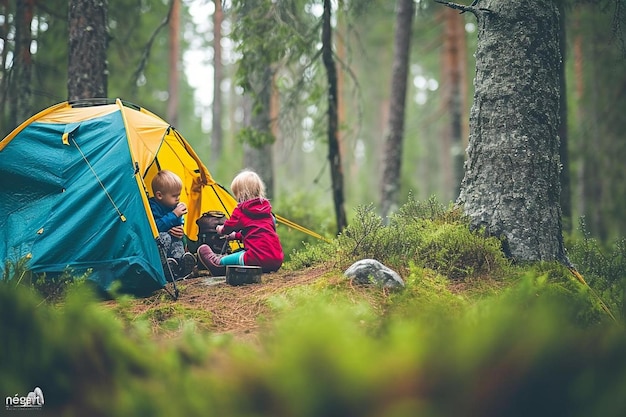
[
  {"x": 454, "y": 92},
  {"x": 566, "y": 193},
  {"x": 218, "y": 69},
  {"x": 259, "y": 157},
  {"x": 261, "y": 161},
  {"x": 88, "y": 39},
  {"x": 511, "y": 185},
  {"x": 23, "y": 69},
  {"x": 602, "y": 127},
  {"x": 5, "y": 122},
  {"x": 174, "y": 54},
  {"x": 390, "y": 187},
  {"x": 334, "y": 155}
]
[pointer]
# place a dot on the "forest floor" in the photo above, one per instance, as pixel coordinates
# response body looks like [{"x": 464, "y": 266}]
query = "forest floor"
[
  {"x": 215, "y": 305},
  {"x": 240, "y": 311}
]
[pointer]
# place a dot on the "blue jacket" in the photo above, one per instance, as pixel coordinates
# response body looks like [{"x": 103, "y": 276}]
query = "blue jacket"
[{"x": 164, "y": 216}]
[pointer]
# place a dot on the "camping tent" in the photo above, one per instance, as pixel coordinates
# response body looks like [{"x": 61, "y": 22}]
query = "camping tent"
[{"x": 74, "y": 188}]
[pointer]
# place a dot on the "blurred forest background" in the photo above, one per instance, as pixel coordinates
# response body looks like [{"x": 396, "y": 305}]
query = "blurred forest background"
[{"x": 160, "y": 52}]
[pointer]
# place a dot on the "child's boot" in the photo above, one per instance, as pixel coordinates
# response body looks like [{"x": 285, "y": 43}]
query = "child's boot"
[
  {"x": 171, "y": 268},
  {"x": 187, "y": 264},
  {"x": 210, "y": 260}
]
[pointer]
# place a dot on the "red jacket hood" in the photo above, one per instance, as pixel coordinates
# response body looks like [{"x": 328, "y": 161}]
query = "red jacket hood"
[{"x": 257, "y": 208}]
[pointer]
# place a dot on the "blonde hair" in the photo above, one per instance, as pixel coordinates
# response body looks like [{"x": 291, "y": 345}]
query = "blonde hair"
[
  {"x": 166, "y": 182},
  {"x": 247, "y": 185}
]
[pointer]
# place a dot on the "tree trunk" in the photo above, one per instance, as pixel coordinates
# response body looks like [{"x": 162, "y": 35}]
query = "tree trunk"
[
  {"x": 174, "y": 53},
  {"x": 454, "y": 92},
  {"x": 579, "y": 87},
  {"x": 393, "y": 142},
  {"x": 341, "y": 29},
  {"x": 511, "y": 185},
  {"x": 23, "y": 69},
  {"x": 594, "y": 186},
  {"x": 602, "y": 127},
  {"x": 566, "y": 193},
  {"x": 218, "y": 69},
  {"x": 6, "y": 125},
  {"x": 261, "y": 161},
  {"x": 334, "y": 156},
  {"x": 258, "y": 157},
  {"x": 88, "y": 38}
]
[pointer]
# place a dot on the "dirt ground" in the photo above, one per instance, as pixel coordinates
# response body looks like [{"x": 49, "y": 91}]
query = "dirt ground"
[{"x": 232, "y": 309}]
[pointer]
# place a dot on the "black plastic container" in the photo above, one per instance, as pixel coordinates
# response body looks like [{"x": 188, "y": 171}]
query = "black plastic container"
[{"x": 241, "y": 275}]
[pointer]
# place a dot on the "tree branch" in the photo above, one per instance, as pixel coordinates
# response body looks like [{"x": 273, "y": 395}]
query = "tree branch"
[
  {"x": 471, "y": 8},
  {"x": 146, "y": 51},
  {"x": 618, "y": 18}
]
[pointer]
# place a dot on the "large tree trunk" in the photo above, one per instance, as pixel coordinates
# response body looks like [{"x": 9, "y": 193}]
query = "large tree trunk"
[
  {"x": 511, "y": 184},
  {"x": 258, "y": 156},
  {"x": 566, "y": 193},
  {"x": 603, "y": 125},
  {"x": 6, "y": 125},
  {"x": 20, "y": 86},
  {"x": 334, "y": 155},
  {"x": 260, "y": 160},
  {"x": 218, "y": 69},
  {"x": 454, "y": 92},
  {"x": 88, "y": 38},
  {"x": 392, "y": 153},
  {"x": 174, "y": 53}
]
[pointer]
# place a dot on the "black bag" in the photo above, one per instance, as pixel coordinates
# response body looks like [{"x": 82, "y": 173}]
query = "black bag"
[{"x": 207, "y": 233}]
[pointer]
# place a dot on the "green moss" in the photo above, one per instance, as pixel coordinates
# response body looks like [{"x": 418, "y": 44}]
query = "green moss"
[{"x": 174, "y": 317}]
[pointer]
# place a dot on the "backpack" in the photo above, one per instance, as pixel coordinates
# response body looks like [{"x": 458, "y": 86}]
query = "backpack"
[{"x": 207, "y": 233}]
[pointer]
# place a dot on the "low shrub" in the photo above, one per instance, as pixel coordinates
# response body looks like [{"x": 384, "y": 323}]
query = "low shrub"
[
  {"x": 425, "y": 234},
  {"x": 603, "y": 267},
  {"x": 52, "y": 287}
]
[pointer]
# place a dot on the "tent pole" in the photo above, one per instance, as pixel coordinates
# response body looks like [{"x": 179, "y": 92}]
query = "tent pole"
[{"x": 163, "y": 256}]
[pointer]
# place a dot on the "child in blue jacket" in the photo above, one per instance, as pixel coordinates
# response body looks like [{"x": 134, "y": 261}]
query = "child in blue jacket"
[{"x": 168, "y": 212}]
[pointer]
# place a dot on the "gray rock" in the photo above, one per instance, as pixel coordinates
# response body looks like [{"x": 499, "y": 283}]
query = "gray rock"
[{"x": 370, "y": 271}]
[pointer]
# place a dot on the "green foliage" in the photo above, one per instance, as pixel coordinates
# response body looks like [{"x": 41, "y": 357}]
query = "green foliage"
[
  {"x": 52, "y": 287},
  {"x": 18, "y": 272},
  {"x": 61, "y": 349},
  {"x": 332, "y": 350},
  {"x": 418, "y": 363},
  {"x": 554, "y": 282},
  {"x": 427, "y": 234},
  {"x": 603, "y": 266},
  {"x": 429, "y": 294},
  {"x": 311, "y": 254},
  {"x": 268, "y": 34},
  {"x": 255, "y": 138},
  {"x": 366, "y": 236},
  {"x": 455, "y": 251},
  {"x": 173, "y": 317},
  {"x": 296, "y": 207},
  {"x": 431, "y": 209}
]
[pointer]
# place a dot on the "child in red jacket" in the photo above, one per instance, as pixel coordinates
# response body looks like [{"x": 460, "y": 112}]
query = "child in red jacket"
[{"x": 253, "y": 223}]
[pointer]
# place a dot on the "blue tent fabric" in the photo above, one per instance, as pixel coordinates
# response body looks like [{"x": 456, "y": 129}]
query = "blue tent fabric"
[{"x": 73, "y": 203}]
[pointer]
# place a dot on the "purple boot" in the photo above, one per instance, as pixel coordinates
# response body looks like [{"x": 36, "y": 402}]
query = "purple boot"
[{"x": 211, "y": 260}]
